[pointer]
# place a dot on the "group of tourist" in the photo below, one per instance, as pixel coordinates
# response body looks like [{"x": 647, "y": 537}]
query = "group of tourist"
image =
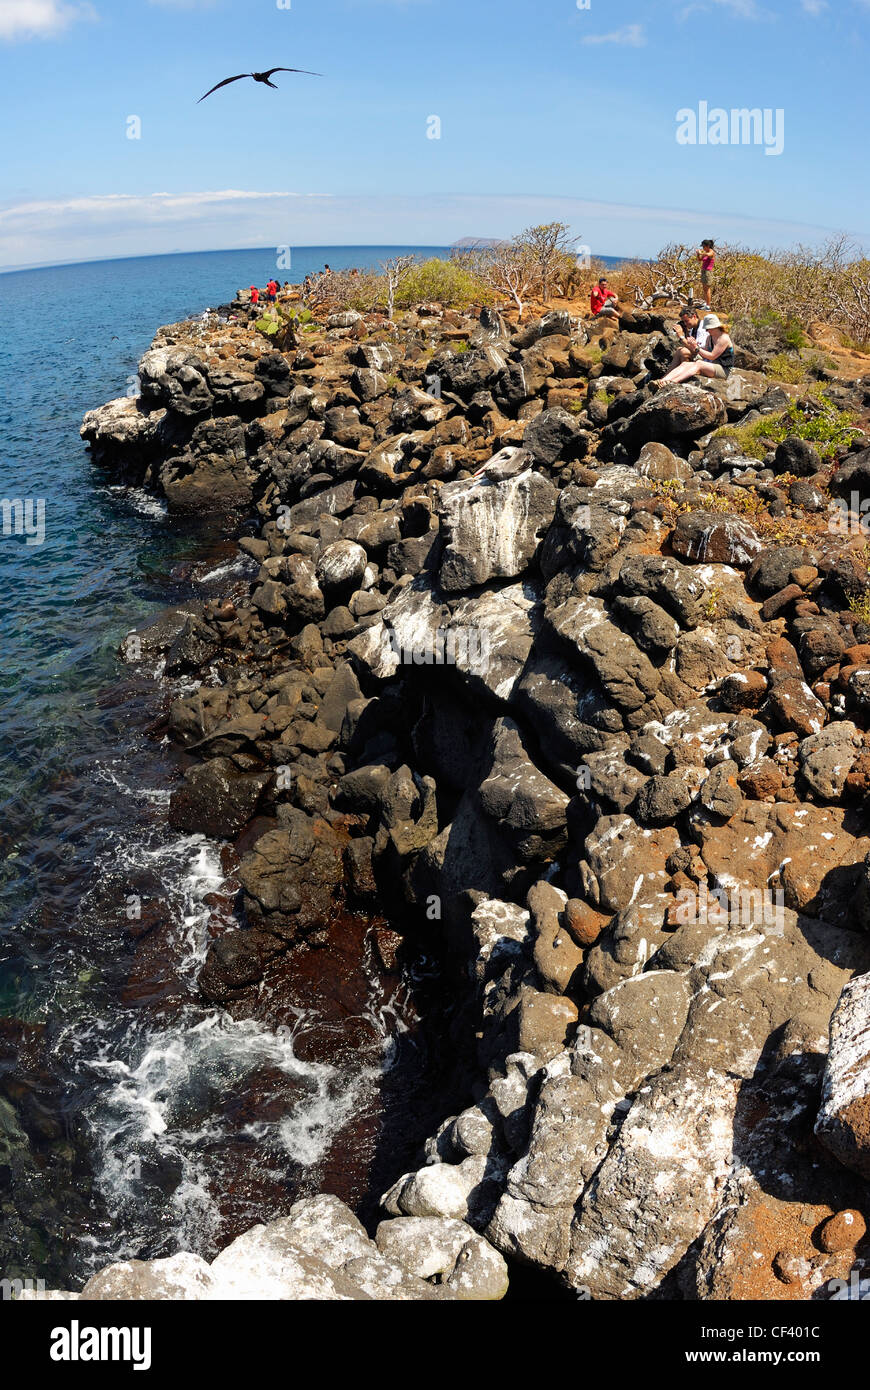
[
  {"x": 271, "y": 292},
  {"x": 705, "y": 348}
]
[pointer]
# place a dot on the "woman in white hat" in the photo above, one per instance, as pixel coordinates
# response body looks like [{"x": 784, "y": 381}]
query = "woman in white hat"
[{"x": 715, "y": 361}]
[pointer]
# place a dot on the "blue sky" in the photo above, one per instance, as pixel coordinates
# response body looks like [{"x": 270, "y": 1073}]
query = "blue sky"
[{"x": 546, "y": 110}]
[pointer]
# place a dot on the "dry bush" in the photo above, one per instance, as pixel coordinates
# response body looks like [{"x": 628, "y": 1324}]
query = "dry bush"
[{"x": 772, "y": 297}]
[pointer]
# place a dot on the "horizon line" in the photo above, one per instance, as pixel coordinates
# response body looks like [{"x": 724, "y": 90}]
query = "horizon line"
[{"x": 231, "y": 250}]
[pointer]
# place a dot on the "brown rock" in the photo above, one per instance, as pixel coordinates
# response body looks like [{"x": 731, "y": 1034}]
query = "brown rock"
[
  {"x": 844, "y": 674},
  {"x": 583, "y": 922},
  {"x": 842, "y": 1232},
  {"x": 803, "y": 575},
  {"x": 858, "y": 780},
  {"x": 760, "y": 780},
  {"x": 783, "y": 660},
  {"x": 543, "y": 1023},
  {"x": 387, "y": 945},
  {"x": 777, "y": 603},
  {"x": 793, "y": 704}
]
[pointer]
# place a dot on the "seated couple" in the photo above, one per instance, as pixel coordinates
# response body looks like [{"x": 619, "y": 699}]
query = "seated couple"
[{"x": 705, "y": 350}]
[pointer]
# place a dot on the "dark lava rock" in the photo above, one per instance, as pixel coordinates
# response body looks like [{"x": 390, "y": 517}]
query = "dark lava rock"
[
  {"x": 711, "y": 538},
  {"x": 216, "y": 799}
]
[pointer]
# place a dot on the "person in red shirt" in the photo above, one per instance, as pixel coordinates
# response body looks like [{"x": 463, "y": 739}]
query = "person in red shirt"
[
  {"x": 255, "y": 295},
  {"x": 603, "y": 299},
  {"x": 272, "y": 290}
]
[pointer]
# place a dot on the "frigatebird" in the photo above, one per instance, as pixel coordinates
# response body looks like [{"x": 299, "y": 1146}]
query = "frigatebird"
[{"x": 258, "y": 77}]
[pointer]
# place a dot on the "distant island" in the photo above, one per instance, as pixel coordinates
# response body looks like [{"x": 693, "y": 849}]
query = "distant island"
[{"x": 468, "y": 243}]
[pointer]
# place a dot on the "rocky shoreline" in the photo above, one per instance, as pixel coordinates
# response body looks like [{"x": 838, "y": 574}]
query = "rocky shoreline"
[{"x": 544, "y": 667}]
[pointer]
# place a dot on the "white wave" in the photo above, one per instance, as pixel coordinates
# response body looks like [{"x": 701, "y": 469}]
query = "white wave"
[
  {"x": 161, "y": 1104},
  {"x": 143, "y": 502},
  {"x": 238, "y": 568}
]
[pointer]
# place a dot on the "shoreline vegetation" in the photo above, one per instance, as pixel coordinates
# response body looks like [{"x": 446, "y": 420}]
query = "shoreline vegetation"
[
  {"x": 788, "y": 300},
  {"x": 537, "y": 660}
]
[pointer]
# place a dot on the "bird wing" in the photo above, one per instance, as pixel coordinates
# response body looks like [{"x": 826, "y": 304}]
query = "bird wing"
[
  {"x": 225, "y": 82},
  {"x": 305, "y": 70}
]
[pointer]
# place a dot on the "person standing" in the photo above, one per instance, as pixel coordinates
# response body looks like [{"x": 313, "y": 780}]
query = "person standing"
[
  {"x": 706, "y": 254},
  {"x": 255, "y": 295}
]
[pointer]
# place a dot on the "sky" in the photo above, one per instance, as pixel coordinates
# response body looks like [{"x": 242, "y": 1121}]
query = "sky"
[{"x": 432, "y": 120}]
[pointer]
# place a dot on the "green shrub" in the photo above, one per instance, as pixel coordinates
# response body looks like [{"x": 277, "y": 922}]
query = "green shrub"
[
  {"x": 861, "y": 606},
  {"x": 785, "y": 367},
  {"x": 446, "y": 281},
  {"x": 819, "y": 421}
]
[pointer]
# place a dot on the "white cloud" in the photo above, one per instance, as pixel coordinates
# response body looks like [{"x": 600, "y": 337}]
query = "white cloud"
[
  {"x": 630, "y": 34},
  {"x": 162, "y": 206},
  {"x": 39, "y": 19}
]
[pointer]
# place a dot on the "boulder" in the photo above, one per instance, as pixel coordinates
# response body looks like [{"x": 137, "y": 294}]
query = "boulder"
[
  {"x": 291, "y": 877},
  {"x": 658, "y": 1186},
  {"x": 675, "y": 412},
  {"x": 658, "y": 462},
  {"x": 843, "y": 1123},
  {"x": 710, "y": 537},
  {"x": 216, "y": 799},
  {"x": 445, "y": 1250},
  {"x": 492, "y": 529},
  {"x": 555, "y": 435}
]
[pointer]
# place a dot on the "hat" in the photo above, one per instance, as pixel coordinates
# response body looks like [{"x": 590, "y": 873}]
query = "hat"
[{"x": 711, "y": 321}]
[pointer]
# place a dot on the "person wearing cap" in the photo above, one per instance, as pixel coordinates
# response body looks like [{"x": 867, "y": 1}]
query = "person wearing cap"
[
  {"x": 603, "y": 299},
  {"x": 715, "y": 361}
]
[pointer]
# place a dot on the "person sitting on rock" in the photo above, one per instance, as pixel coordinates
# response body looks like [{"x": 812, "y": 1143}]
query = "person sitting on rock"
[
  {"x": 603, "y": 300},
  {"x": 692, "y": 336},
  {"x": 255, "y": 295},
  {"x": 715, "y": 361}
]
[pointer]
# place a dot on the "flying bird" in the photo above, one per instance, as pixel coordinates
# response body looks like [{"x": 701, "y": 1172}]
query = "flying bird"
[{"x": 258, "y": 77}]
